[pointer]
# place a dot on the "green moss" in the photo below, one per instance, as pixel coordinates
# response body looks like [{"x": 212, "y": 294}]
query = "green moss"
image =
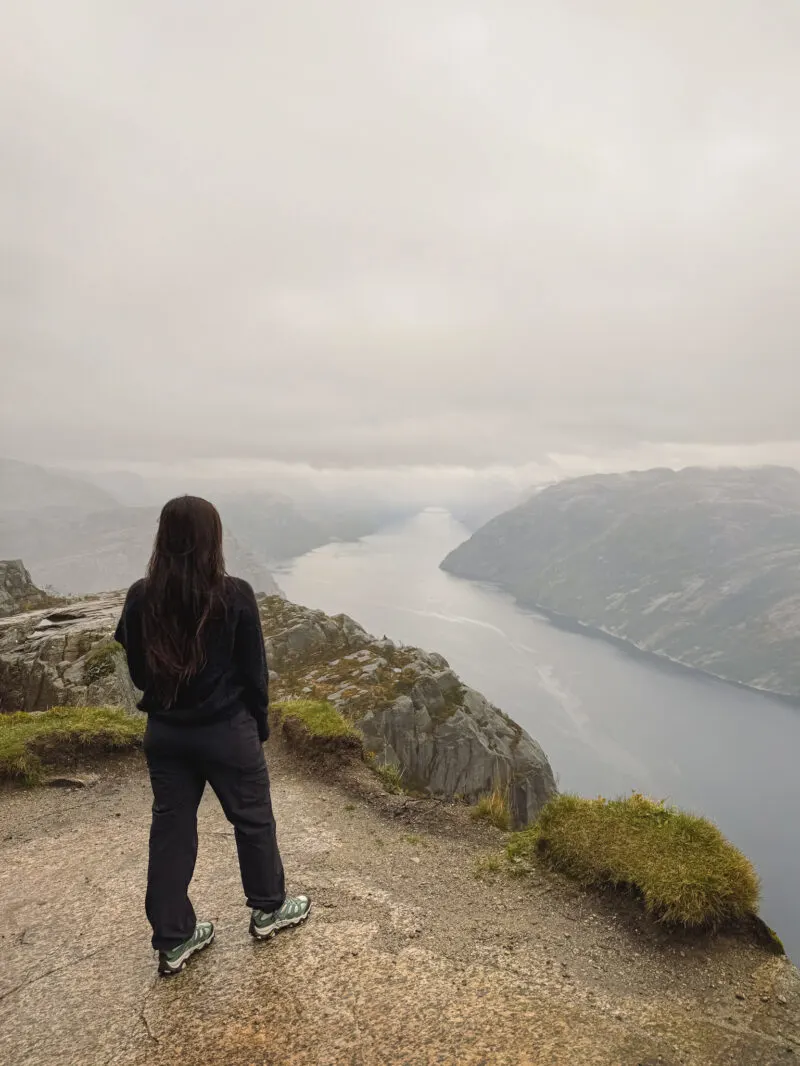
[
  {"x": 316, "y": 728},
  {"x": 318, "y": 718},
  {"x": 683, "y": 868},
  {"x": 29, "y": 743},
  {"x": 101, "y": 661},
  {"x": 493, "y": 808},
  {"x": 318, "y": 680}
]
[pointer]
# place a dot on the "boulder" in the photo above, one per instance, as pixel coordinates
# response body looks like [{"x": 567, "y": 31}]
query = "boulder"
[
  {"x": 63, "y": 656},
  {"x": 466, "y": 748},
  {"x": 17, "y": 591}
]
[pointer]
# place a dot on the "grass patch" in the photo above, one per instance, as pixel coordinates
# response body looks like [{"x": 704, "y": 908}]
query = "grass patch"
[
  {"x": 316, "y": 728},
  {"x": 493, "y": 808},
  {"x": 101, "y": 661},
  {"x": 487, "y": 865},
  {"x": 686, "y": 872},
  {"x": 319, "y": 718},
  {"x": 30, "y": 743},
  {"x": 391, "y": 777}
]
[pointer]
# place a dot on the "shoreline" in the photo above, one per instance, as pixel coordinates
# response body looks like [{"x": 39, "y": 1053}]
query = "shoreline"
[{"x": 569, "y": 624}]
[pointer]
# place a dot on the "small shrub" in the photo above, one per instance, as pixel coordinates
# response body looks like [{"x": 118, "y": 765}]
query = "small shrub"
[
  {"x": 315, "y": 727},
  {"x": 686, "y": 872},
  {"x": 31, "y": 742},
  {"x": 100, "y": 661},
  {"x": 391, "y": 777},
  {"x": 493, "y": 808}
]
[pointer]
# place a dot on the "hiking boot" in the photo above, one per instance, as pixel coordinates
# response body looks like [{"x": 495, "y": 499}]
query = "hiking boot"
[
  {"x": 294, "y": 910},
  {"x": 170, "y": 962}
]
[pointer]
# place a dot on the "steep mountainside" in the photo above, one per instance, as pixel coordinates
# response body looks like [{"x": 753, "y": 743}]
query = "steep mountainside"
[
  {"x": 272, "y": 524},
  {"x": 701, "y": 566}
]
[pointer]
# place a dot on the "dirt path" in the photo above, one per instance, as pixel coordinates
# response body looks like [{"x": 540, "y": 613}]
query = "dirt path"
[{"x": 408, "y": 959}]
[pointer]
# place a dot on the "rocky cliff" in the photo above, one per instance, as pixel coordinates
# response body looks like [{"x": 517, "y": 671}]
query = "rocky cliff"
[
  {"x": 17, "y": 591},
  {"x": 413, "y": 711},
  {"x": 700, "y": 566}
]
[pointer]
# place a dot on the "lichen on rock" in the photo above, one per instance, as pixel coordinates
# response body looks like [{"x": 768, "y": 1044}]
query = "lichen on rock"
[
  {"x": 413, "y": 711},
  {"x": 64, "y": 656}
]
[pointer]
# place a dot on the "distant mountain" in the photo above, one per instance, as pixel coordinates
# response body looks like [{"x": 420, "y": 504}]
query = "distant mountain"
[
  {"x": 271, "y": 524},
  {"x": 480, "y": 510},
  {"x": 125, "y": 486},
  {"x": 279, "y": 528},
  {"x": 75, "y": 552},
  {"x": 25, "y": 486},
  {"x": 701, "y": 566}
]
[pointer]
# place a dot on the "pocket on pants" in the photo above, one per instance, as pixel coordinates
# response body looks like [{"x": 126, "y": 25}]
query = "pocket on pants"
[{"x": 245, "y": 747}]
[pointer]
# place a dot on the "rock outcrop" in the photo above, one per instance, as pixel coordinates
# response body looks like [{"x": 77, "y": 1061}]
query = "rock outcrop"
[
  {"x": 413, "y": 711},
  {"x": 64, "y": 655},
  {"x": 17, "y": 591}
]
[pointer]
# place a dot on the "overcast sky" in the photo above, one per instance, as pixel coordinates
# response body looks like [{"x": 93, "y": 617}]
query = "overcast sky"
[{"x": 365, "y": 233}]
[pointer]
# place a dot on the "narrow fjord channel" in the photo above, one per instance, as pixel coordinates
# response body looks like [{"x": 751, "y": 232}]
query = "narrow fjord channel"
[{"x": 610, "y": 722}]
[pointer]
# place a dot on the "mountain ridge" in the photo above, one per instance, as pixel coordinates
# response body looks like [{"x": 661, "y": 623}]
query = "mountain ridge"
[{"x": 699, "y": 567}]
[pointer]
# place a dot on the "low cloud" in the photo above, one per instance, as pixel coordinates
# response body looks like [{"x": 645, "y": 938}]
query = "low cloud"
[{"x": 363, "y": 235}]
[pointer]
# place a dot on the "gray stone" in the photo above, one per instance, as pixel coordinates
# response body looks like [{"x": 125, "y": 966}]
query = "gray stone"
[
  {"x": 44, "y": 658},
  {"x": 463, "y": 753},
  {"x": 65, "y": 781},
  {"x": 306, "y": 638},
  {"x": 17, "y": 591}
]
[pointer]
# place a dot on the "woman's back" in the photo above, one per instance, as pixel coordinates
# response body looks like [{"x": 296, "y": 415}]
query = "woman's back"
[{"x": 232, "y": 671}]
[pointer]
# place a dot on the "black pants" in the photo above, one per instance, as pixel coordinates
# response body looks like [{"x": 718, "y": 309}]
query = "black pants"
[{"x": 181, "y": 759}]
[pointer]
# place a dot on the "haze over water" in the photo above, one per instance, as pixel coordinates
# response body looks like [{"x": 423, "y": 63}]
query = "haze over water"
[{"x": 608, "y": 721}]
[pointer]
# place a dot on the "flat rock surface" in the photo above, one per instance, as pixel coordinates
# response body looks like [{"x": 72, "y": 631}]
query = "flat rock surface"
[{"x": 409, "y": 958}]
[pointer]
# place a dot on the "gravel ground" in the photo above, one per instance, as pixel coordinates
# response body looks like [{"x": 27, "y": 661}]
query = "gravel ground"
[{"x": 410, "y": 957}]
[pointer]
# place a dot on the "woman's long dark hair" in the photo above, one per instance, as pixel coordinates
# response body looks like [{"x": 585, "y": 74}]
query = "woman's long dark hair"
[{"x": 184, "y": 588}]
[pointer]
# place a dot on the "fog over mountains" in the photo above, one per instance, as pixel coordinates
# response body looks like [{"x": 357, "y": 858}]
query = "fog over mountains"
[{"x": 77, "y": 537}]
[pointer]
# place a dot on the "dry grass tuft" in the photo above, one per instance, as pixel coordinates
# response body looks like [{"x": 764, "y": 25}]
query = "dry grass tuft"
[
  {"x": 686, "y": 872},
  {"x": 391, "y": 777},
  {"x": 493, "y": 808}
]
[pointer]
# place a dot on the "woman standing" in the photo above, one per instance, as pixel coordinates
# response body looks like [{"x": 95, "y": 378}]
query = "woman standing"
[{"x": 193, "y": 639}]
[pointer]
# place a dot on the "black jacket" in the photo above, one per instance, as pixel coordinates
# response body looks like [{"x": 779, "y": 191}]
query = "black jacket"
[{"x": 235, "y": 674}]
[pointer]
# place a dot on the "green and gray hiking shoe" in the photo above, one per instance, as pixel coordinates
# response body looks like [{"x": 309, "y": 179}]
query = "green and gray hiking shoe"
[
  {"x": 170, "y": 962},
  {"x": 265, "y": 924}
]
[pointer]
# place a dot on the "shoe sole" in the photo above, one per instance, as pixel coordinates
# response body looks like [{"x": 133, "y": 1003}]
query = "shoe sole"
[
  {"x": 169, "y": 971},
  {"x": 276, "y": 927}
]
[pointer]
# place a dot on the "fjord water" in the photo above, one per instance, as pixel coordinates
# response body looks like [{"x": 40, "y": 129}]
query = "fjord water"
[{"x": 610, "y": 722}]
